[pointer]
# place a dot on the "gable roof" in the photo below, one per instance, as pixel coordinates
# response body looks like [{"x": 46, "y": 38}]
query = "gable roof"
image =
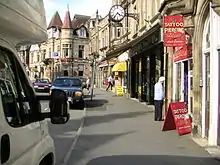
[
  {"x": 55, "y": 21},
  {"x": 67, "y": 21},
  {"x": 79, "y": 20}
]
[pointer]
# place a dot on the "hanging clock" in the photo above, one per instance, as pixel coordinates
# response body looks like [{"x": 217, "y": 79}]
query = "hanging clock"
[{"x": 117, "y": 13}]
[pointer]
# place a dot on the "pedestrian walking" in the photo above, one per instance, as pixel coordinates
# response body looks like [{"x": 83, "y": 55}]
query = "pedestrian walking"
[
  {"x": 158, "y": 98},
  {"x": 110, "y": 82},
  {"x": 88, "y": 84}
]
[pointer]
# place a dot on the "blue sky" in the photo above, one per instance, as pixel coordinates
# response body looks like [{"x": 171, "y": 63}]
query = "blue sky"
[{"x": 86, "y": 7}]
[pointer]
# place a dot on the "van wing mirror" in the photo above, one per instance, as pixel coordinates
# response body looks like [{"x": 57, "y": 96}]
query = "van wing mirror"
[{"x": 58, "y": 105}]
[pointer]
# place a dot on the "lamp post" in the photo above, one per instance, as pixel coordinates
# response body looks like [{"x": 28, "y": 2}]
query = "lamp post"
[
  {"x": 93, "y": 77},
  {"x": 93, "y": 65}
]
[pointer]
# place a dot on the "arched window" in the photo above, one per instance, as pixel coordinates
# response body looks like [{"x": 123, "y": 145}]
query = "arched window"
[{"x": 206, "y": 35}]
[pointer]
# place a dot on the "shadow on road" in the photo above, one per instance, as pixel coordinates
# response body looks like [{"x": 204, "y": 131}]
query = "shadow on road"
[
  {"x": 90, "y": 120},
  {"x": 152, "y": 160},
  {"x": 87, "y": 143},
  {"x": 95, "y": 103}
]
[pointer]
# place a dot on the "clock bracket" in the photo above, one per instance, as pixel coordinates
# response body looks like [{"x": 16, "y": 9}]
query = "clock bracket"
[{"x": 135, "y": 16}]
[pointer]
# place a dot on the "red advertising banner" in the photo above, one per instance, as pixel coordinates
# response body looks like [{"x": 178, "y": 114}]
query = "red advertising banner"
[
  {"x": 183, "y": 52},
  {"x": 174, "y": 34},
  {"x": 177, "y": 117}
]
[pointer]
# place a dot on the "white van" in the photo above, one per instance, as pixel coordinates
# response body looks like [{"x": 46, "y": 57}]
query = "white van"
[{"x": 24, "y": 137}]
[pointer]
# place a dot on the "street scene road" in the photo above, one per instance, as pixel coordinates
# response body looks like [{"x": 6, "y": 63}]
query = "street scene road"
[
  {"x": 64, "y": 135},
  {"x": 121, "y": 131}
]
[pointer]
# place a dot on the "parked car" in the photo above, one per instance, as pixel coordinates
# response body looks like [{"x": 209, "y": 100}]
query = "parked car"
[
  {"x": 42, "y": 85},
  {"x": 73, "y": 87}
]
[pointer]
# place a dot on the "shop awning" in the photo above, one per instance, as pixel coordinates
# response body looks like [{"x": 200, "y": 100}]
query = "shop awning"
[{"x": 120, "y": 67}]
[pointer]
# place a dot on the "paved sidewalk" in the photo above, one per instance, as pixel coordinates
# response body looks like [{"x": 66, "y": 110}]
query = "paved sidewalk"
[{"x": 121, "y": 131}]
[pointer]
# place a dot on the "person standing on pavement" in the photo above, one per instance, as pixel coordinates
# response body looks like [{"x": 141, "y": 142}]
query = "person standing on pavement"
[
  {"x": 158, "y": 98},
  {"x": 110, "y": 82}
]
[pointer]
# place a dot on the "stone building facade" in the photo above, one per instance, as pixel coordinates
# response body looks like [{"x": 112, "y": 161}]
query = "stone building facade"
[
  {"x": 112, "y": 42},
  {"x": 66, "y": 51},
  {"x": 194, "y": 80},
  {"x": 198, "y": 76}
]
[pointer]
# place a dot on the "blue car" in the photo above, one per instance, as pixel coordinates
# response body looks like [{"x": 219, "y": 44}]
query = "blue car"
[{"x": 72, "y": 86}]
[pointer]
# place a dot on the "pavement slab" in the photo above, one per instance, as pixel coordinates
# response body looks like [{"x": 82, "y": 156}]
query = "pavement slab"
[{"x": 120, "y": 131}]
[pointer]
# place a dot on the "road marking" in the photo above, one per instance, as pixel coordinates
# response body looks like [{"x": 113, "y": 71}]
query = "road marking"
[{"x": 68, "y": 155}]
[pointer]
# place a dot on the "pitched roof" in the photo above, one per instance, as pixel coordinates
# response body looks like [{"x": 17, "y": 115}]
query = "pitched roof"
[
  {"x": 55, "y": 21},
  {"x": 67, "y": 21},
  {"x": 79, "y": 20}
]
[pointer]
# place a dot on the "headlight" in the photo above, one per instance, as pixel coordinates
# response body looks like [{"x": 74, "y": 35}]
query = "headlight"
[{"x": 78, "y": 94}]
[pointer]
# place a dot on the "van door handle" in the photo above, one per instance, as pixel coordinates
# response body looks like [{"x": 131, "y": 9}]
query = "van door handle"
[{"x": 5, "y": 148}]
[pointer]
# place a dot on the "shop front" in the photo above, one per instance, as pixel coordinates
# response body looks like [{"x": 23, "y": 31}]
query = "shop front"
[
  {"x": 104, "y": 70},
  {"x": 182, "y": 74},
  {"x": 146, "y": 65},
  {"x": 120, "y": 71}
]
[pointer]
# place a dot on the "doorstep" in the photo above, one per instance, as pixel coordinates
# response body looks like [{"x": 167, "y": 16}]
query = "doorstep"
[{"x": 214, "y": 151}]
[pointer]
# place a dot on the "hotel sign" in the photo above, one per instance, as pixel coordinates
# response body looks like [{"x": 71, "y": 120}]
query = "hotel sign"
[{"x": 174, "y": 34}]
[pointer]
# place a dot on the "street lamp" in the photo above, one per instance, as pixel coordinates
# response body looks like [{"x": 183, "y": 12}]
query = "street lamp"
[{"x": 92, "y": 59}]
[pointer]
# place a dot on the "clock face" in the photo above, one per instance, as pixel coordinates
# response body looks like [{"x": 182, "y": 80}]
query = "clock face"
[{"x": 117, "y": 13}]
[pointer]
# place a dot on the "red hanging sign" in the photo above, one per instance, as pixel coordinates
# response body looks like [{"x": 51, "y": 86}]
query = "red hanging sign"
[
  {"x": 182, "y": 53},
  {"x": 185, "y": 51},
  {"x": 177, "y": 117},
  {"x": 174, "y": 34}
]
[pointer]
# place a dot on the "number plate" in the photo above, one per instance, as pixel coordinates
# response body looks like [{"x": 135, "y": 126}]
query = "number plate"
[{"x": 40, "y": 87}]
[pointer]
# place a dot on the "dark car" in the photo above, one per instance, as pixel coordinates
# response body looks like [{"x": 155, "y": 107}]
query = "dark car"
[
  {"x": 72, "y": 86},
  {"x": 42, "y": 85}
]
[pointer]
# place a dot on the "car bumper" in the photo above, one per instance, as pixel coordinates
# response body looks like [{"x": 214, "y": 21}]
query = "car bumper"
[
  {"x": 43, "y": 89},
  {"x": 75, "y": 99}
]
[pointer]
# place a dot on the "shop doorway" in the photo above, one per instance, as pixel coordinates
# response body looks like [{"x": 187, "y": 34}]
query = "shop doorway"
[
  {"x": 185, "y": 83},
  {"x": 190, "y": 90}
]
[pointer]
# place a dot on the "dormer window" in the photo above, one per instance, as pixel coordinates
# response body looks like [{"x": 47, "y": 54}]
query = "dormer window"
[{"x": 82, "y": 32}]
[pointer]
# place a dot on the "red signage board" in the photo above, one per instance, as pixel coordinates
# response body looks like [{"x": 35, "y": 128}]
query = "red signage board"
[
  {"x": 182, "y": 52},
  {"x": 177, "y": 117},
  {"x": 174, "y": 34}
]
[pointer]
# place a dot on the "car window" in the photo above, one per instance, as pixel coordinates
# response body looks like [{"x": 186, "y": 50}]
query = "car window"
[
  {"x": 15, "y": 95},
  {"x": 42, "y": 81},
  {"x": 62, "y": 82}
]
